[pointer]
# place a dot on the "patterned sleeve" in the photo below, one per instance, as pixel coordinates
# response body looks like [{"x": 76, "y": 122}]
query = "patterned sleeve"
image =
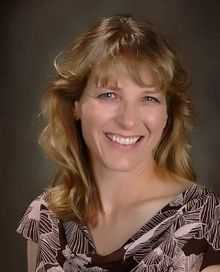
[
  {"x": 29, "y": 224},
  {"x": 211, "y": 217}
]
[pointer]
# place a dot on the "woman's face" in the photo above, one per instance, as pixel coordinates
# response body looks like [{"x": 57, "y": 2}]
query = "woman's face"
[{"x": 122, "y": 125}]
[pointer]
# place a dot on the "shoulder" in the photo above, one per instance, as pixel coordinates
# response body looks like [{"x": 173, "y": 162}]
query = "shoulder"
[
  {"x": 36, "y": 218},
  {"x": 200, "y": 200},
  {"x": 201, "y": 209},
  {"x": 197, "y": 200},
  {"x": 199, "y": 196},
  {"x": 34, "y": 209},
  {"x": 197, "y": 212}
]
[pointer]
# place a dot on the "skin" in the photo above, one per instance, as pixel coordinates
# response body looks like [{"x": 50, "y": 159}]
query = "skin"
[
  {"x": 32, "y": 253},
  {"x": 126, "y": 109},
  {"x": 212, "y": 268},
  {"x": 132, "y": 189}
]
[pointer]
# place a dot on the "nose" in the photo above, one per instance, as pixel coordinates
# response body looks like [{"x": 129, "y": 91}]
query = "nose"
[{"x": 127, "y": 115}]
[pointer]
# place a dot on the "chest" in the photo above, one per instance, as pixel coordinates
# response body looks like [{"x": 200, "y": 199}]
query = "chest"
[{"x": 112, "y": 235}]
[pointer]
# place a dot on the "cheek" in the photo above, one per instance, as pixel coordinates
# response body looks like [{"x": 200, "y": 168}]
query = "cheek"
[
  {"x": 156, "y": 119},
  {"x": 96, "y": 110},
  {"x": 94, "y": 117}
]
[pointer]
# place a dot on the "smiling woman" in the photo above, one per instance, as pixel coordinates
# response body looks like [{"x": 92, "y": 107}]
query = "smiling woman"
[
  {"x": 124, "y": 197},
  {"x": 132, "y": 121}
]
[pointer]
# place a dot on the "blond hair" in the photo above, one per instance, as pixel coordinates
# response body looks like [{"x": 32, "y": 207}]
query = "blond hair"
[{"x": 112, "y": 41}]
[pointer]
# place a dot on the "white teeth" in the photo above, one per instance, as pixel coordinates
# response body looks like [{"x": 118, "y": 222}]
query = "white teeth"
[{"x": 123, "y": 140}]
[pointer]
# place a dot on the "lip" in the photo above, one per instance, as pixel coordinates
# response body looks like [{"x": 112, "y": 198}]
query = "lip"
[
  {"x": 121, "y": 146},
  {"x": 125, "y": 136}
]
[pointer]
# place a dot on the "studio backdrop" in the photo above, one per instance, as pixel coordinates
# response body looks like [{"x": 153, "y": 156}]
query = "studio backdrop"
[{"x": 33, "y": 33}]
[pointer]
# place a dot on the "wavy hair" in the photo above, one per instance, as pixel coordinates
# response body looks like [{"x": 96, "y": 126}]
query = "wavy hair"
[{"x": 116, "y": 40}]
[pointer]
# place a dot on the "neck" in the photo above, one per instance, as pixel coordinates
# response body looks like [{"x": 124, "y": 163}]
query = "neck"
[{"x": 121, "y": 189}]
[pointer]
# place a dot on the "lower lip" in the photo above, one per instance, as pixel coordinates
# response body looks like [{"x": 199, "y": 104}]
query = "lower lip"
[{"x": 124, "y": 146}]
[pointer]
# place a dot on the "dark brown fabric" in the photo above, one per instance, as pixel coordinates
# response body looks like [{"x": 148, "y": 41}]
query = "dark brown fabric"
[{"x": 183, "y": 236}]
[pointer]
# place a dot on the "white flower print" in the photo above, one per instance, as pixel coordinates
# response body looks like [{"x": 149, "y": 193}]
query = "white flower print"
[
  {"x": 170, "y": 242},
  {"x": 55, "y": 269}
]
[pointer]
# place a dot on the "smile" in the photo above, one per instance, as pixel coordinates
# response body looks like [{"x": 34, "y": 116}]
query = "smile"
[{"x": 130, "y": 140}]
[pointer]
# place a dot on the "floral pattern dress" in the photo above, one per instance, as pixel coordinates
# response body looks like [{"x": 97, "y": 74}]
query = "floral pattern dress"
[{"x": 184, "y": 236}]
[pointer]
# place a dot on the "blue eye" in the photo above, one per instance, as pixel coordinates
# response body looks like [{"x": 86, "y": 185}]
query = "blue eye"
[
  {"x": 107, "y": 95},
  {"x": 151, "y": 99}
]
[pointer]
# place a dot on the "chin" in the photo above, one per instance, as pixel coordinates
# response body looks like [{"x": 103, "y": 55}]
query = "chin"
[{"x": 121, "y": 166}]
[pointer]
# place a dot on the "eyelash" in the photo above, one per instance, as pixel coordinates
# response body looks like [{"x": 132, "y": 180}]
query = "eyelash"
[
  {"x": 108, "y": 96},
  {"x": 151, "y": 99}
]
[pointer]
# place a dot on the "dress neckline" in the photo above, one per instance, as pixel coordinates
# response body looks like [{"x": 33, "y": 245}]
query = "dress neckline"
[{"x": 148, "y": 224}]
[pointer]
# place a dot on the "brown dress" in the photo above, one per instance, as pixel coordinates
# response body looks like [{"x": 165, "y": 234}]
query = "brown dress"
[{"x": 184, "y": 236}]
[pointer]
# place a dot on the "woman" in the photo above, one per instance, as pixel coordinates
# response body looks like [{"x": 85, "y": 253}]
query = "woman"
[{"x": 124, "y": 197}]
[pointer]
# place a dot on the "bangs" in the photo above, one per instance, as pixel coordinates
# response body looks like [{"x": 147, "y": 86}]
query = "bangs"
[
  {"x": 127, "y": 47},
  {"x": 107, "y": 72}
]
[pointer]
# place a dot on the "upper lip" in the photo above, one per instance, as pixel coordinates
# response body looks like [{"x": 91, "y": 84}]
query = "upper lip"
[{"x": 125, "y": 136}]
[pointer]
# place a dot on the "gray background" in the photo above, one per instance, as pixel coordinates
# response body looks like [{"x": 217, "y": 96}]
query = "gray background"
[{"x": 33, "y": 33}]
